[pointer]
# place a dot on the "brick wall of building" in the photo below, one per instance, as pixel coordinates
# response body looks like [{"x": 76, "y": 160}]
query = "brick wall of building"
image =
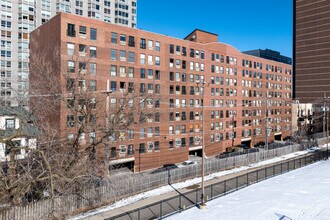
[{"x": 183, "y": 66}]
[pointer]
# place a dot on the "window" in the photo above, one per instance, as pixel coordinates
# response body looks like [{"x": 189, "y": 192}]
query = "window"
[
  {"x": 92, "y": 68},
  {"x": 141, "y": 133},
  {"x": 184, "y": 51},
  {"x": 171, "y": 48},
  {"x": 71, "y": 32},
  {"x": 113, "y": 54},
  {"x": 130, "y": 72},
  {"x": 113, "y": 70},
  {"x": 142, "y": 148},
  {"x": 122, "y": 55},
  {"x": 71, "y": 66},
  {"x": 157, "y": 46},
  {"x": 143, "y": 43},
  {"x": 192, "y": 53},
  {"x": 157, "y": 88},
  {"x": 70, "y": 49},
  {"x": 92, "y": 85},
  {"x": 150, "y": 73},
  {"x": 150, "y": 60},
  {"x": 157, "y": 61},
  {"x": 113, "y": 86},
  {"x": 122, "y": 71},
  {"x": 93, "y": 34},
  {"x": 114, "y": 38},
  {"x": 92, "y": 51},
  {"x": 142, "y": 73},
  {"x": 142, "y": 58},
  {"x": 131, "y": 57},
  {"x": 130, "y": 150},
  {"x": 82, "y": 30},
  {"x": 123, "y": 39},
  {"x": 82, "y": 67},
  {"x": 177, "y": 49},
  {"x": 10, "y": 123},
  {"x": 150, "y": 44},
  {"x": 131, "y": 41},
  {"x": 156, "y": 145},
  {"x": 157, "y": 74},
  {"x": 82, "y": 48},
  {"x": 70, "y": 121}
]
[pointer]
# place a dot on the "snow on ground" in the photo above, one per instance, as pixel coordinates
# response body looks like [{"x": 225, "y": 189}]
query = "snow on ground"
[
  {"x": 166, "y": 189},
  {"x": 300, "y": 194}
]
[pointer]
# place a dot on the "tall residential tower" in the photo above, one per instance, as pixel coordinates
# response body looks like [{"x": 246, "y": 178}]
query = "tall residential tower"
[
  {"x": 20, "y": 17},
  {"x": 311, "y": 49}
]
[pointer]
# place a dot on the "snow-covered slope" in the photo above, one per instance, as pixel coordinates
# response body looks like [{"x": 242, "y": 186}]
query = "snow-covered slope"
[{"x": 300, "y": 194}]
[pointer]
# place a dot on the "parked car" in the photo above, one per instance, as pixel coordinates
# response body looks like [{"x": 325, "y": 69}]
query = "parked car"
[
  {"x": 243, "y": 148},
  {"x": 260, "y": 144},
  {"x": 170, "y": 166},
  {"x": 313, "y": 149},
  {"x": 187, "y": 163},
  {"x": 165, "y": 167}
]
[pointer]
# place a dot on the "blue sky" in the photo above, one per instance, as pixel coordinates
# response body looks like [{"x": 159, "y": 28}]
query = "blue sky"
[{"x": 244, "y": 24}]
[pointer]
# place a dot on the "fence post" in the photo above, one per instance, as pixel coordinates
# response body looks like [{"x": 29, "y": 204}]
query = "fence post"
[
  {"x": 224, "y": 187},
  {"x": 180, "y": 202},
  {"x": 236, "y": 182},
  {"x": 161, "y": 209},
  {"x": 281, "y": 168},
  {"x": 257, "y": 176},
  {"x": 138, "y": 213},
  {"x": 196, "y": 196},
  {"x": 288, "y": 165},
  {"x": 211, "y": 191},
  {"x": 265, "y": 173},
  {"x": 247, "y": 179}
]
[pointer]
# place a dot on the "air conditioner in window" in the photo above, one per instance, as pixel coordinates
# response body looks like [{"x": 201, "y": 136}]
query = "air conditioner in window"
[
  {"x": 197, "y": 140},
  {"x": 150, "y": 146}
]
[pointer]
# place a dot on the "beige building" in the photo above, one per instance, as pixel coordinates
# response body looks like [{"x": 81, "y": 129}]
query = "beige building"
[{"x": 20, "y": 17}]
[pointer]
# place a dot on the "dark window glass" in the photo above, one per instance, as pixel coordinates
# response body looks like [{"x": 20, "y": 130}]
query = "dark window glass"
[
  {"x": 143, "y": 43},
  {"x": 131, "y": 41},
  {"x": 71, "y": 32},
  {"x": 93, "y": 34}
]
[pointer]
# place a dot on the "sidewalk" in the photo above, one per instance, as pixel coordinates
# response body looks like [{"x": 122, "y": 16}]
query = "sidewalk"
[{"x": 153, "y": 199}]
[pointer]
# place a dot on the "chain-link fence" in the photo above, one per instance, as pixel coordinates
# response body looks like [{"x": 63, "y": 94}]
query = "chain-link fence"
[
  {"x": 175, "y": 204},
  {"x": 122, "y": 186}
]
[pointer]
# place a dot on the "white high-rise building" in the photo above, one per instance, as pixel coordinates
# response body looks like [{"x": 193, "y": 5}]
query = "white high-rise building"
[{"x": 20, "y": 17}]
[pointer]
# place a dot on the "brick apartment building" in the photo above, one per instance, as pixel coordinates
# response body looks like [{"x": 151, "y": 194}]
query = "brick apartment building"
[{"x": 173, "y": 70}]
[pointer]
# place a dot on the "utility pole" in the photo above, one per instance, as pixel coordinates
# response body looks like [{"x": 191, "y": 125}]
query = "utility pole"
[
  {"x": 327, "y": 130},
  {"x": 203, "y": 204},
  {"x": 106, "y": 156},
  {"x": 267, "y": 120}
]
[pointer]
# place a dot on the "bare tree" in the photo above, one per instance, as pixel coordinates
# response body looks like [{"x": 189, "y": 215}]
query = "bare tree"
[{"x": 67, "y": 161}]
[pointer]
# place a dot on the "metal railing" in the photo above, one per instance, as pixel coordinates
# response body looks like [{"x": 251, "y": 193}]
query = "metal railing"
[{"x": 180, "y": 202}]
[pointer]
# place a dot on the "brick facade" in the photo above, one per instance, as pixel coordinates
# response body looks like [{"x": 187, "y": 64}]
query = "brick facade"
[{"x": 234, "y": 91}]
